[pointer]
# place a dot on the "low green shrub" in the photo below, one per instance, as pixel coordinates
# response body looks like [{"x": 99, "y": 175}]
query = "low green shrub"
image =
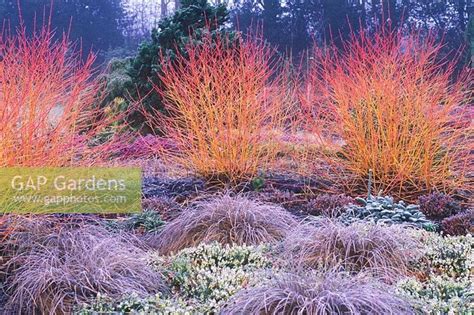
[
  {"x": 448, "y": 256},
  {"x": 211, "y": 273},
  {"x": 146, "y": 221},
  {"x": 438, "y": 295},
  {"x": 445, "y": 283},
  {"x": 133, "y": 304}
]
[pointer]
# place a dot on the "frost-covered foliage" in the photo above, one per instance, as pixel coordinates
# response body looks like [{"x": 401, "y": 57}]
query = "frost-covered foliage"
[
  {"x": 445, "y": 284},
  {"x": 384, "y": 251},
  {"x": 448, "y": 256},
  {"x": 329, "y": 293},
  {"x": 438, "y": 295},
  {"x": 66, "y": 267},
  {"x": 226, "y": 219},
  {"x": 437, "y": 206},
  {"x": 211, "y": 273},
  {"x": 328, "y": 205},
  {"x": 386, "y": 210},
  {"x": 146, "y": 221},
  {"x": 459, "y": 224},
  {"x": 133, "y": 304}
]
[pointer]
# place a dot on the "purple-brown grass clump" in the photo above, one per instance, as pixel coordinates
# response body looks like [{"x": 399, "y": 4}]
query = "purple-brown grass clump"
[
  {"x": 459, "y": 224},
  {"x": 228, "y": 220},
  {"x": 328, "y": 205},
  {"x": 25, "y": 232},
  {"x": 385, "y": 251},
  {"x": 331, "y": 293},
  {"x": 72, "y": 265}
]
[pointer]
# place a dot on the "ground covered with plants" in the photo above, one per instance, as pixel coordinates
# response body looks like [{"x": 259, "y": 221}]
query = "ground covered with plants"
[{"x": 343, "y": 186}]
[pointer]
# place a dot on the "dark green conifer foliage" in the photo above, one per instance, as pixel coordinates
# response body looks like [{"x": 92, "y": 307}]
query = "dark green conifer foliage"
[{"x": 188, "y": 23}]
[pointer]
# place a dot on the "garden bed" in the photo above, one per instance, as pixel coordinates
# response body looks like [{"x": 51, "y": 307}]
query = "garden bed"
[
  {"x": 234, "y": 252},
  {"x": 261, "y": 187}
]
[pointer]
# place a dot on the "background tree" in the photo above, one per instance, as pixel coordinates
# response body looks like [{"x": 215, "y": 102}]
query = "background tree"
[
  {"x": 293, "y": 24},
  {"x": 188, "y": 23},
  {"x": 97, "y": 24},
  {"x": 268, "y": 15}
]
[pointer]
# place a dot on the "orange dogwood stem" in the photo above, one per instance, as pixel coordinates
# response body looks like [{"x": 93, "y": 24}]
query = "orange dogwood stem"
[
  {"x": 223, "y": 102},
  {"x": 48, "y": 115},
  {"x": 396, "y": 107}
]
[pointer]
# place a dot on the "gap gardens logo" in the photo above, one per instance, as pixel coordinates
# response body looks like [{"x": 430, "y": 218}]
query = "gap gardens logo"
[{"x": 70, "y": 190}]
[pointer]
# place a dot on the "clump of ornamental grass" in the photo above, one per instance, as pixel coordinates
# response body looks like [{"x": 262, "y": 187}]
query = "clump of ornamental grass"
[
  {"x": 69, "y": 266},
  {"x": 24, "y": 232},
  {"x": 385, "y": 251},
  {"x": 21, "y": 234},
  {"x": 48, "y": 98},
  {"x": 222, "y": 98},
  {"x": 330, "y": 293},
  {"x": 390, "y": 103},
  {"x": 228, "y": 220}
]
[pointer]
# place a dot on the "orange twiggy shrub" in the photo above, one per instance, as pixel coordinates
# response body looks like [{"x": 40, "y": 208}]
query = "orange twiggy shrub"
[
  {"x": 393, "y": 105},
  {"x": 47, "y": 97},
  {"x": 222, "y": 101}
]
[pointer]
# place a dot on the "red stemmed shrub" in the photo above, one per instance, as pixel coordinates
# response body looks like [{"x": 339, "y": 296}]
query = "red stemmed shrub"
[
  {"x": 47, "y": 97},
  {"x": 391, "y": 104},
  {"x": 142, "y": 147},
  {"x": 222, "y": 103}
]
